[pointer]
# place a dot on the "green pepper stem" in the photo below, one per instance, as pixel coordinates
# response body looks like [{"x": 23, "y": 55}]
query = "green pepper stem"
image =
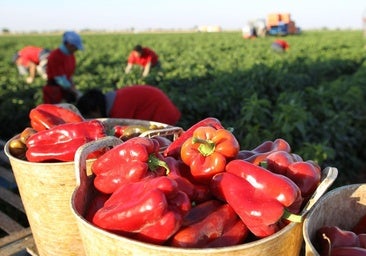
[
  {"x": 206, "y": 147},
  {"x": 154, "y": 162},
  {"x": 292, "y": 217}
]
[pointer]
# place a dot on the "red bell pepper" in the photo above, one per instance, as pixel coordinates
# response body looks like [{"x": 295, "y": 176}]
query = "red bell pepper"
[
  {"x": 60, "y": 142},
  {"x": 96, "y": 203},
  {"x": 46, "y": 116},
  {"x": 306, "y": 176},
  {"x": 260, "y": 153},
  {"x": 208, "y": 151},
  {"x": 211, "y": 229},
  {"x": 329, "y": 237},
  {"x": 259, "y": 197},
  {"x": 129, "y": 161},
  {"x": 278, "y": 161},
  {"x": 174, "y": 148},
  {"x": 259, "y": 212},
  {"x": 184, "y": 184},
  {"x": 170, "y": 223},
  {"x": 234, "y": 235},
  {"x": 279, "y": 187},
  {"x": 145, "y": 208},
  {"x": 360, "y": 227}
]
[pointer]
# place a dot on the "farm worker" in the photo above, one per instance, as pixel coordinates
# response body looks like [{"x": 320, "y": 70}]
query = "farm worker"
[
  {"x": 31, "y": 60},
  {"x": 144, "y": 102},
  {"x": 60, "y": 70},
  {"x": 280, "y": 45},
  {"x": 144, "y": 57}
]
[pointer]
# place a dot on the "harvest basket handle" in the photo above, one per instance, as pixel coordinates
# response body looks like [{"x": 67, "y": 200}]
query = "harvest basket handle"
[
  {"x": 175, "y": 131},
  {"x": 83, "y": 152},
  {"x": 329, "y": 175}
]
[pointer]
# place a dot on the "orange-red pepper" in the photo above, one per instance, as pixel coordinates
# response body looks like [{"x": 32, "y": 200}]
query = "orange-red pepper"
[
  {"x": 174, "y": 148},
  {"x": 208, "y": 151}
]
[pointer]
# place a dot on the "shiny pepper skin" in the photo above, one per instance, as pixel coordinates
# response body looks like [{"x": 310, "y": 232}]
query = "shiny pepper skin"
[
  {"x": 130, "y": 161},
  {"x": 208, "y": 151}
]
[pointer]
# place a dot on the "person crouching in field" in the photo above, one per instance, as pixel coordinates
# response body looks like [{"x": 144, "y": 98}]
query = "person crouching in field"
[
  {"x": 144, "y": 57},
  {"x": 31, "y": 60},
  {"x": 280, "y": 45},
  {"x": 144, "y": 102},
  {"x": 60, "y": 70}
]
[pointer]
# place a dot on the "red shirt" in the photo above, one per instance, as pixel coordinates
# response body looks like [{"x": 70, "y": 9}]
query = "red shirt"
[
  {"x": 29, "y": 54},
  {"x": 147, "y": 56},
  {"x": 283, "y": 44},
  {"x": 60, "y": 64},
  {"x": 144, "y": 102}
]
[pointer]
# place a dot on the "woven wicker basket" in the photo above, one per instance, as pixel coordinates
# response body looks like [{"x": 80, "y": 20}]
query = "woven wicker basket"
[
  {"x": 286, "y": 242},
  {"x": 46, "y": 189}
]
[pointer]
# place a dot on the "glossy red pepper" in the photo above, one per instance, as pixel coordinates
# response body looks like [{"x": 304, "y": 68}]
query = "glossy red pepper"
[
  {"x": 129, "y": 161},
  {"x": 174, "y": 148},
  {"x": 306, "y": 176},
  {"x": 60, "y": 142},
  {"x": 46, "y": 116},
  {"x": 201, "y": 192},
  {"x": 210, "y": 229},
  {"x": 208, "y": 151},
  {"x": 259, "y": 212},
  {"x": 145, "y": 207},
  {"x": 184, "y": 184},
  {"x": 278, "y": 187},
  {"x": 278, "y": 161},
  {"x": 329, "y": 237},
  {"x": 169, "y": 224},
  {"x": 260, "y": 153}
]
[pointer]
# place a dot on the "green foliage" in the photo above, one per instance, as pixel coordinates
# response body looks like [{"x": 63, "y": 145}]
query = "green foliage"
[{"x": 313, "y": 95}]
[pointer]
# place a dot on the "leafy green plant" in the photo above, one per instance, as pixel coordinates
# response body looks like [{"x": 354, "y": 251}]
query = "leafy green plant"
[{"x": 313, "y": 95}]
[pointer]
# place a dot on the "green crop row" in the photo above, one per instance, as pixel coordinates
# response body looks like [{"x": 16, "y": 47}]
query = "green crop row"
[{"x": 313, "y": 96}]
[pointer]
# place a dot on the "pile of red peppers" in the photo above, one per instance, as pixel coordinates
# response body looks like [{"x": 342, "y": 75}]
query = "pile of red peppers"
[
  {"x": 59, "y": 132},
  {"x": 199, "y": 191},
  {"x": 202, "y": 190},
  {"x": 333, "y": 240}
]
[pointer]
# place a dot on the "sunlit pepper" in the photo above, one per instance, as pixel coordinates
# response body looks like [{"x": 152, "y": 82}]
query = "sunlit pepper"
[
  {"x": 46, "y": 116},
  {"x": 130, "y": 161},
  {"x": 151, "y": 210},
  {"x": 208, "y": 151},
  {"x": 59, "y": 143},
  {"x": 259, "y": 197},
  {"x": 174, "y": 148}
]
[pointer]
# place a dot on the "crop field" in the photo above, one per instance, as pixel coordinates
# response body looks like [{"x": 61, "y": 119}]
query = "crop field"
[{"x": 313, "y": 95}]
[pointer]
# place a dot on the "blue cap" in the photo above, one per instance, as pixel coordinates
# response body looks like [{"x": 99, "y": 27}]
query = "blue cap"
[{"x": 73, "y": 38}]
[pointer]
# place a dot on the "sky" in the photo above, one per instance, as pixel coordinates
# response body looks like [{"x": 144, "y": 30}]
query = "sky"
[{"x": 42, "y": 15}]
